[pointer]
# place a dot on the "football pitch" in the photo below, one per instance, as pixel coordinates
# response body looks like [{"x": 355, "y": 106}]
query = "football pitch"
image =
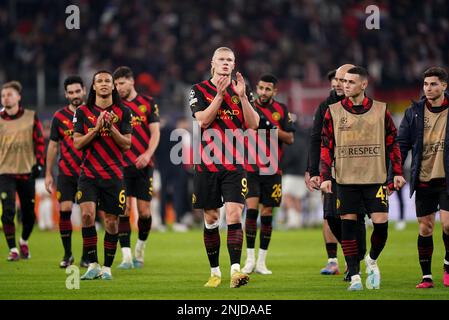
[{"x": 176, "y": 267}]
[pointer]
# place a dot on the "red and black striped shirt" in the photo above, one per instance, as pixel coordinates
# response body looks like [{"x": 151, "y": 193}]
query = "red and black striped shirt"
[
  {"x": 328, "y": 139},
  {"x": 62, "y": 132},
  {"x": 103, "y": 158},
  {"x": 218, "y": 152},
  {"x": 144, "y": 111},
  {"x": 38, "y": 137},
  {"x": 277, "y": 114}
]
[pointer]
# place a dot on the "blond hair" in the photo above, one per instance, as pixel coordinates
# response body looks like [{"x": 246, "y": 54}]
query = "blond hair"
[
  {"x": 212, "y": 71},
  {"x": 13, "y": 85}
]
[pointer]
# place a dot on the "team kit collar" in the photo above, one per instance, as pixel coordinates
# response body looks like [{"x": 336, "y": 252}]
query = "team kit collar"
[
  {"x": 6, "y": 116},
  {"x": 366, "y": 103},
  {"x": 444, "y": 104}
]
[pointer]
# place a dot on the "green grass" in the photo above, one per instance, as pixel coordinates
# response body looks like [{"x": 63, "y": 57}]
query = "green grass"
[{"x": 177, "y": 267}]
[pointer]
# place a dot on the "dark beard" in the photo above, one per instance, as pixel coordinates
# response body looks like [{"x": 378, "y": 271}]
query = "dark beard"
[
  {"x": 266, "y": 102},
  {"x": 75, "y": 103}
]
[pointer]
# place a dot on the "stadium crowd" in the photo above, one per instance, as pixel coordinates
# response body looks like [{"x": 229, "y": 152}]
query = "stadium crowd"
[{"x": 169, "y": 42}]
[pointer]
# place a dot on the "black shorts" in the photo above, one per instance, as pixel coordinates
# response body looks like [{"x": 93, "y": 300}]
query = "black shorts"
[
  {"x": 25, "y": 189},
  {"x": 430, "y": 200},
  {"x": 351, "y": 198},
  {"x": 212, "y": 189},
  {"x": 109, "y": 195},
  {"x": 330, "y": 202},
  {"x": 139, "y": 183},
  {"x": 66, "y": 188},
  {"x": 268, "y": 188}
]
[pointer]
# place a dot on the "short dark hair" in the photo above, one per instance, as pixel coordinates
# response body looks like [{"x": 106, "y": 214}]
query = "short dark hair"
[
  {"x": 439, "y": 72},
  {"x": 13, "y": 85},
  {"x": 122, "y": 72},
  {"x": 269, "y": 78},
  {"x": 72, "y": 80},
  {"x": 362, "y": 72},
  {"x": 331, "y": 75}
]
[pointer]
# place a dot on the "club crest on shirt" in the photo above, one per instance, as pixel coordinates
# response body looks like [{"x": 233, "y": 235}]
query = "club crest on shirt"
[
  {"x": 68, "y": 133},
  {"x": 235, "y": 99},
  {"x": 276, "y": 116},
  {"x": 143, "y": 108},
  {"x": 115, "y": 117}
]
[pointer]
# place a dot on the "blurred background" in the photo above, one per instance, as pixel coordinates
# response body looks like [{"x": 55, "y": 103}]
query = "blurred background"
[{"x": 169, "y": 45}]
